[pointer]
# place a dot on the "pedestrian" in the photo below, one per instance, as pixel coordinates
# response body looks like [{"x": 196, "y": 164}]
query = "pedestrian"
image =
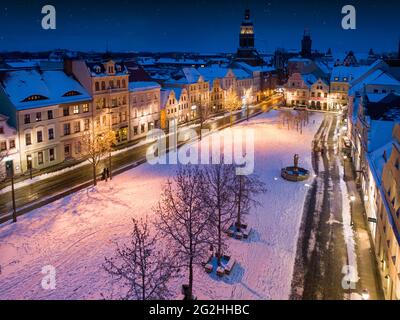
[
  {"x": 108, "y": 172},
  {"x": 322, "y": 151},
  {"x": 103, "y": 175}
]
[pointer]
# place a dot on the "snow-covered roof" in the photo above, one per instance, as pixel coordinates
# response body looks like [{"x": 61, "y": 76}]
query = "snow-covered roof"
[
  {"x": 379, "y": 134},
  {"x": 191, "y": 75},
  {"x": 213, "y": 72},
  {"x": 378, "y": 77},
  {"x": 245, "y": 66},
  {"x": 241, "y": 74},
  {"x": 309, "y": 79},
  {"x": 143, "y": 85},
  {"x": 52, "y": 86},
  {"x": 164, "y": 96}
]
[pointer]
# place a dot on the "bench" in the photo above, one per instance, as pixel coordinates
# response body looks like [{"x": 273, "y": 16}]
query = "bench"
[
  {"x": 221, "y": 271},
  {"x": 229, "y": 266},
  {"x": 246, "y": 233},
  {"x": 208, "y": 267},
  {"x": 239, "y": 235}
]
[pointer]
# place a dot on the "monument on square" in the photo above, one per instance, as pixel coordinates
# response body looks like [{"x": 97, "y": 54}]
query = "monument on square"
[{"x": 295, "y": 173}]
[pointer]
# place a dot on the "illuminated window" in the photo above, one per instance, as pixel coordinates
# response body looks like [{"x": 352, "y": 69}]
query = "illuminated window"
[
  {"x": 71, "y": 93},
  {"x": 34, "y": 97}
]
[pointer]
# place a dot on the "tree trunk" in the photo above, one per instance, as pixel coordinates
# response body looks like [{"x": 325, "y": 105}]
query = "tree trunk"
[
  {"x": 239, "y": 220},
  {"x": 219, "y": 249},
  {"x": 190, "y": 289},
  {"x": 94, "y": 175}
]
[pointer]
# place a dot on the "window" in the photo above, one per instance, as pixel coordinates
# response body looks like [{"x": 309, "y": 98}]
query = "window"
[
  {"x": 51, "y": 154},
  {"x": 40, "y": 157},
  {"x": 97, "y": 86},
  {"x": 27, "y": 118},
  {"x": 76, "y": 109},
  {"x": 87, "y": 123},
  {"x": 12, "y": 144},
  {"x": 123, "y": 83},
  {"x": 77, "y": 126},
  {"x": 85, "y": 108},
  {"x": 78, "y": 147},
  {"x": 66, "y": 111},
  {"x": 51, "y": 133},
  {"x": 1, "y": 130},
  {"x": 135, "y": 130},
  {"x": 67, "y": 150},
  {"x": 103, "y": 85},
  {"x": 34, "y": 97},
  {"x": 28, "y": 139},
  {"x": 3, "y": 146},
  {"x": 67, "y": 129},
  {"x": 142, "y": 129},
  {"x": 50, "y": 114},
  {"x": 39, "y": 136}
]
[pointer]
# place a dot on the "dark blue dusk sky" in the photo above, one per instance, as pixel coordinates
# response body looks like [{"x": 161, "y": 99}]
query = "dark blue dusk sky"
[{"x": 197, "y": 25}]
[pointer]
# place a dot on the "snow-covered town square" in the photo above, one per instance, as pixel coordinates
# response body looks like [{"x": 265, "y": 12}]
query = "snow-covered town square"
[
  {"x": 76, "y": 233},
  {"x": 192, "y": 157}
]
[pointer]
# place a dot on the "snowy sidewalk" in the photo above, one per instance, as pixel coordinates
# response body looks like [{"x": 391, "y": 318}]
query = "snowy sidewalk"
[{"x": 366, "y": 262}]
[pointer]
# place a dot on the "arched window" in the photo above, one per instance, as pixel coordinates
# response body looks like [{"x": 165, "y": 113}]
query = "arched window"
[
  {"x": 71, "y": 93},
  {"x": 34, "y": 97},
  {"x": 103, "y": 85},
  {"x": 97, "y": 86}
]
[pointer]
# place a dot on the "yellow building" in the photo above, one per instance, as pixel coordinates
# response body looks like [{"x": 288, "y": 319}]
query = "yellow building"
[{"x": 388, "y": 222}]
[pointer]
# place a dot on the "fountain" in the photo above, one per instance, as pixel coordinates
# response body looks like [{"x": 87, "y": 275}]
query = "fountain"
[{"x": 295, "y": 173}]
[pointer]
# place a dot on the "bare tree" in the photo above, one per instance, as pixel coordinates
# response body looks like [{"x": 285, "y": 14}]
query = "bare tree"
[
  {"x": 183, "y": 220},
  {"x": 204, "y": 113},
  {"x": 219, "y": 198},
  {"x": 232, "y": 103},
  {"x": 144, "y": 268},
  {"x": 246, "y": 189},
  {"x": 95, "y": 146}
]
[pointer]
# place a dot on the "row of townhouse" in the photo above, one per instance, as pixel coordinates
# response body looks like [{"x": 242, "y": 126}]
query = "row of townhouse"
[
  {"x": 51, "y": 109},
  {"x": 322, "y": 91},
  {"x": 373, "y": 128}
]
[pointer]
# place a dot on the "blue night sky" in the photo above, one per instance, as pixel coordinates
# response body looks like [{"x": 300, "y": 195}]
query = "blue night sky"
[{"x": 197, "y": 25}]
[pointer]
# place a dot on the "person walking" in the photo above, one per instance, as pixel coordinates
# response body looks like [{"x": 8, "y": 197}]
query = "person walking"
[{"x": 108, "y": 173}]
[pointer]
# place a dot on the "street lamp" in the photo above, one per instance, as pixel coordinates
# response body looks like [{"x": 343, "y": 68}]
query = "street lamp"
[
  {"x": 365, "y": 294},
  {"x": 10, "y": 174},
  {"x": 29, "y": 158}
]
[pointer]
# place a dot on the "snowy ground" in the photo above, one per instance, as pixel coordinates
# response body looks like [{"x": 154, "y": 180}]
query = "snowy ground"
[{"x": 74, "y": 234}]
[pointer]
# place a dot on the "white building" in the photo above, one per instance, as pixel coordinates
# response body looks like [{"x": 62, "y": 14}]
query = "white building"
[{"x": 9, "y": 147}]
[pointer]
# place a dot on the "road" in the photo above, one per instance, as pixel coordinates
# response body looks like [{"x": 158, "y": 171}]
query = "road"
[
  {"x": 30, "y": 194},
  {"x": 321, "y": 250}
]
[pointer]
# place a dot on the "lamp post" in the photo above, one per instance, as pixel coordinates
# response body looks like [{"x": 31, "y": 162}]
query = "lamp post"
[
  {"x": 29, "y": 158},
  {"x": 10, "y": 174}
]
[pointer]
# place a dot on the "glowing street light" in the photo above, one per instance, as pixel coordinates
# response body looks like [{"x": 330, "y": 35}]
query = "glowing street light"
[{"x": 365, "y": 294}]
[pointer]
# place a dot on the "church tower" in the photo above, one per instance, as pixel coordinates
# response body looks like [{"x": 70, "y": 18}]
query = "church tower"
[
  {"x": 306, "y": 44},
  {"x": 246, "y": 38},
  {"x": 246, "y": 51}
]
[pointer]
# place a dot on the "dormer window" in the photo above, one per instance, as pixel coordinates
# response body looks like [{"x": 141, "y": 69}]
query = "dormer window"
[
  {"x": 119, "y": 68},
  {"x": 71, "y": 93},
  {"x": 97, "y": 69},
  {"x": 34, "y": 97},
  {"x": 345, "y": 79},
  {"x": 110, "y": 69}
]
